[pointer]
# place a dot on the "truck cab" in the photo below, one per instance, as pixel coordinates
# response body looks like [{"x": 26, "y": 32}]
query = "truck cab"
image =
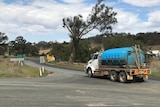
[{"x": 93, "y": 64}]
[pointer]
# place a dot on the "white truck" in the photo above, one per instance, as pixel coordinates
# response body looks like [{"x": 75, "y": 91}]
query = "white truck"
[{"x": 120, "y": 64}]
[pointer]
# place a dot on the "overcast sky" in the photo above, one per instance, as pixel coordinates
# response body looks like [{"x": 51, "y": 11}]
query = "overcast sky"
[{"x": 41, "y": 20}]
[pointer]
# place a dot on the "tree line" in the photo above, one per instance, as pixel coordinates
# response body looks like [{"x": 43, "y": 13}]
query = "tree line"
[
  {"x": 62, "y": 50},
  {"x": 17, "y": 46}
]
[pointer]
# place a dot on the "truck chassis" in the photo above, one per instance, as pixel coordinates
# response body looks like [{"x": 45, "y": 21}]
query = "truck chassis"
[{"x": 120, "y": 74}]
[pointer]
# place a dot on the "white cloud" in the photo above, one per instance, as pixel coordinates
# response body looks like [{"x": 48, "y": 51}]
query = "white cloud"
[
  {"x": 127, "y": 21},
  {"x": 43, "y": 17},
  {"x": 143, "y": 3},
  {"x": 73, "y": 1},
  {"x": 131, "y": 23},
  {"x": 153, "y": 19}
]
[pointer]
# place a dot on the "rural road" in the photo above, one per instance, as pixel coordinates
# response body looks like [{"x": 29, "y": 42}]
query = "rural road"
[{"x": 69, "y": 88}]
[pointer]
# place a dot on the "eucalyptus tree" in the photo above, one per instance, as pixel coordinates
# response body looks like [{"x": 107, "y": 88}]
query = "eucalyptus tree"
[
  {"x": 3, "y": 45},
  {"x": 20, "y": 45},
  {"x": 101, "y": 18},
  {"x": 3, "y": 38}
]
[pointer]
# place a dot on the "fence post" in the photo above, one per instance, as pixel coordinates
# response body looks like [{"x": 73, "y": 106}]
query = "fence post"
[
  {"x": 40, "y": 72},
  {"x": 43, "y": 69}
]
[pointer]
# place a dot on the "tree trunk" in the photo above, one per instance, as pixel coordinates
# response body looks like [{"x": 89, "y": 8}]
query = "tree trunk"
[
  {"x": 73, "y": 52},
  {"x": 72, "y": 55}
]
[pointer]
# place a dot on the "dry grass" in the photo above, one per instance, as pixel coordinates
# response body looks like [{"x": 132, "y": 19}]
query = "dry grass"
[
  {"x": 14, "y": 69},
  {"x": 9, "y": 69},
  {"x": 45, "y": 51},
  {"x": 155, "y": 47},
  {"x": 155, "y": 67},
  {"x": 93, "y": 45}
]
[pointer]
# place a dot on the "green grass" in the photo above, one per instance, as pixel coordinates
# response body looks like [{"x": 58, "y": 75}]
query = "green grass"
[
  {"x": 76, "y": 66},
  {"x": 153, "y": 74},
  {"x": 14, "y": 69},
  {"x": 155, "y": 71}
]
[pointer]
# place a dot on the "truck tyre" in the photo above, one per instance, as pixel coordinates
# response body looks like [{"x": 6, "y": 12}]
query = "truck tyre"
[
  {"x": 113, "y": 75},
  {"x": 141, "y": 80},
  {"x": 145, "y": 77},
  {"x": 90, "y": 75},
  {"x": 138, "y": 79},
  {"x": 122, "y": 77}
]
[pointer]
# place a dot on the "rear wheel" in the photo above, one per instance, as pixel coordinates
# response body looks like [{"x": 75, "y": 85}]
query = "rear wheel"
[
  {"x": 122, "y": 77},
  {"x": 142, "y": 79},
  {"x": 113, "y": 76},
  {"x": 90, "y": 75},
  {"x": 145, "y": 77}
]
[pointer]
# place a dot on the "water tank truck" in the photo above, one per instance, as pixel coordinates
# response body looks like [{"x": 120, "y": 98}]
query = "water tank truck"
[{"x": 120, "y": 64}]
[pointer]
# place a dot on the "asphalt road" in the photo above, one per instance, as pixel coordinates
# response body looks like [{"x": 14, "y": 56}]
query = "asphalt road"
[{"x": 69, "y": 88}]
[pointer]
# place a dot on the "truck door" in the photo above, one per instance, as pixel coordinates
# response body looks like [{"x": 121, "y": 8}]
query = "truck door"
[{"x": 95, "y": 61}]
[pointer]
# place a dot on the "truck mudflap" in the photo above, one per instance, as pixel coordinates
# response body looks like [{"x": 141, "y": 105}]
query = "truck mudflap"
[{"x": 129, "y": 77}]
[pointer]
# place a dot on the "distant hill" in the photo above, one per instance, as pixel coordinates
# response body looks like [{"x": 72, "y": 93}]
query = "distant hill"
[{"x": 150, "y": 39}]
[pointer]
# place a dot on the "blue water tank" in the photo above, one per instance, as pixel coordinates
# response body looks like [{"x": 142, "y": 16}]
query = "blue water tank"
[{"x": 121, "y": 56}]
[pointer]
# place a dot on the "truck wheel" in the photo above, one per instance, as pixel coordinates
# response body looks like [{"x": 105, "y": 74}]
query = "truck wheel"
[
  {"x": 145, "y": 77},
  {"x": 113, "y": 75},
  {"x": 122, "y": 77},
  {"x": 90, "y": 75},
  {"x": 141, "y": 80}
]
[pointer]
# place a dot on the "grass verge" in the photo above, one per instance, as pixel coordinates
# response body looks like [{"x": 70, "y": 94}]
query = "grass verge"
[
  {"x": 62, "y": 64},
  {"x": 14, "y": 69},
  {"x": 155, "y": 68},
  {"x": 75, "y": 66}
]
